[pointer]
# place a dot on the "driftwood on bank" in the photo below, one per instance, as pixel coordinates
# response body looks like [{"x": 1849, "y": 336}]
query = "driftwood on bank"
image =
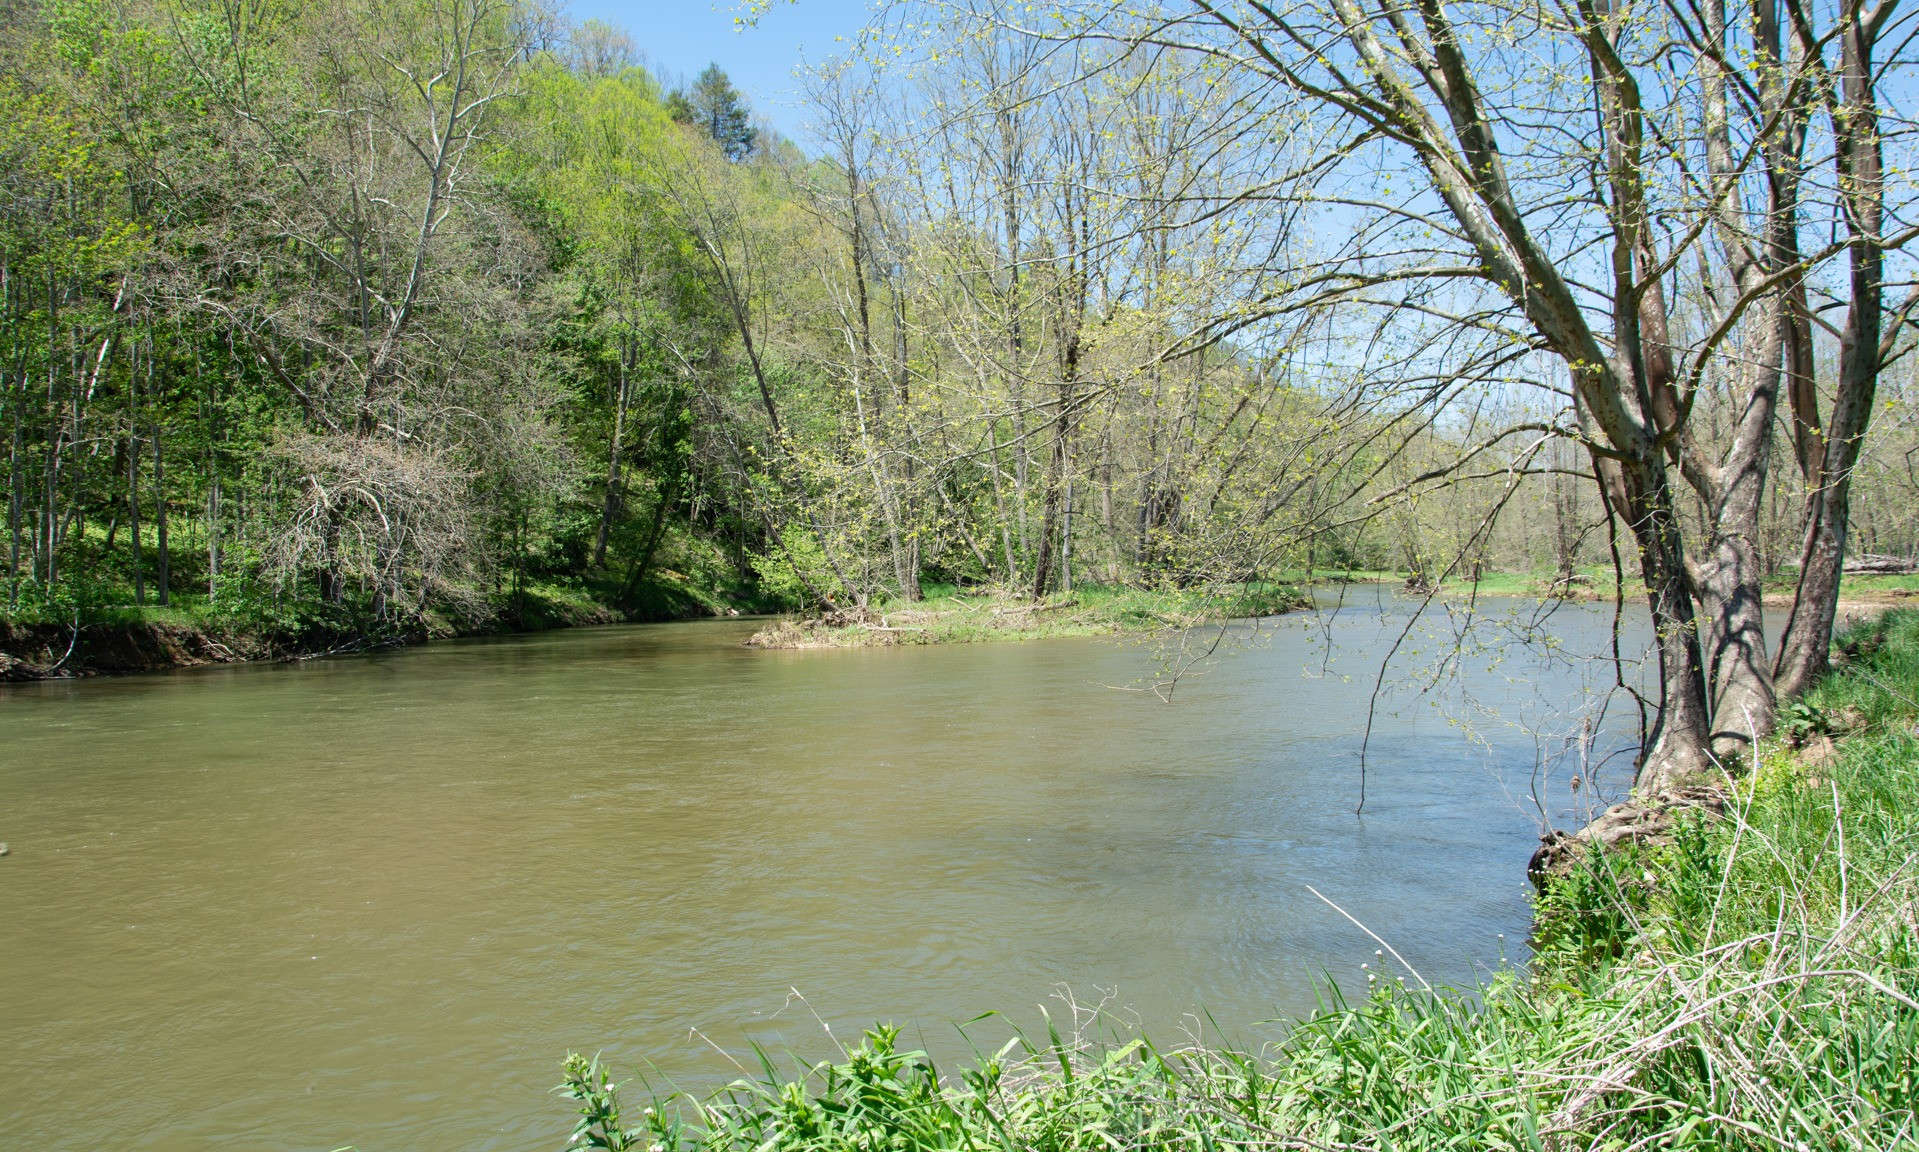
[{"x": 1881, "y": 566}]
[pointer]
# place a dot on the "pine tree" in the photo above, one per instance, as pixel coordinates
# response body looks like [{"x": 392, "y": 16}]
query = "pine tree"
[{"x": 718, "y": 109}]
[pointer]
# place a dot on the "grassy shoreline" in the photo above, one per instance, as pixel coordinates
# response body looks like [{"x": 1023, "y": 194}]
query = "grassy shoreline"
[
  {"x": 121, "y": 639},
  {"x": 947, "y": 615},
  {"x": 1751, "y": 981}
]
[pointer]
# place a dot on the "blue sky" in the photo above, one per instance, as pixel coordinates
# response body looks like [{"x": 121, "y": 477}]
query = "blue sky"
[{"x": 680, "y": 37}]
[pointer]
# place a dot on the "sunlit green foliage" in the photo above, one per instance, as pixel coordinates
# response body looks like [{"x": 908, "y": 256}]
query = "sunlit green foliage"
[{"x": 370, "y": 337}]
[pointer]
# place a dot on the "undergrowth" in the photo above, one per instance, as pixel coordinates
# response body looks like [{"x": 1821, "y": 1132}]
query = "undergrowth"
[{"x": 1752, "y": 983}]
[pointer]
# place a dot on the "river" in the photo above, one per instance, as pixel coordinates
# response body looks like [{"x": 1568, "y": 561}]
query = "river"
[{"x": 374, "y": 900}]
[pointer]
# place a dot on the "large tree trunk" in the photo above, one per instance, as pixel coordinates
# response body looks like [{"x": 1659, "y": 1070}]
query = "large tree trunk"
[
  {"x": 1624, "y": 394},
  {"x": 1759, "y": 253},
  {"x": 1678, "y": 749},
  {"x": 1060, "y": 462},
  {"x": 1728, "y": 582},
  {"x": 1803, "y": 654}
]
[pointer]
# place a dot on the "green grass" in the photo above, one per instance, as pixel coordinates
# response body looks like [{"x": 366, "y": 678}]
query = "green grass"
[
  {"x": 947, "y": 615},
  {"x": 1885, "y": 584},
  {"x": 1591, "y": 581},
  {"x": 1753, "y": 983}
]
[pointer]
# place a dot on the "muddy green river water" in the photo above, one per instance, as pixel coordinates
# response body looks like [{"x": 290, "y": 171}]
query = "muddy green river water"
[{"x": 374, "y": 900}]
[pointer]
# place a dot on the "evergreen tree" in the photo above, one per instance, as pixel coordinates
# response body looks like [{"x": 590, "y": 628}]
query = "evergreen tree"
[{"x": 718, "y": 109}]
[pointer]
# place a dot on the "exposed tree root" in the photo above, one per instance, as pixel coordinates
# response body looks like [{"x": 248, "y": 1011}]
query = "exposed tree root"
[{"x": 1639, "y": 820}]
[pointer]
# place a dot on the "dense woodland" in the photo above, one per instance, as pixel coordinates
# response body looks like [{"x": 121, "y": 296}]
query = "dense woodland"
[
  {"x": 385, "y": 311},
  {"x": 363, "y": 314}
]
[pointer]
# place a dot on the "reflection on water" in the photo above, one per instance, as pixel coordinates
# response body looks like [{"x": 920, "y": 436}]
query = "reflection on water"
[{"x": 374, "y": 900}]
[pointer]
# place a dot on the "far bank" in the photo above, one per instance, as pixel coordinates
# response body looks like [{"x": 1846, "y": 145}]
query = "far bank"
[{"x": 948, "y": 615}]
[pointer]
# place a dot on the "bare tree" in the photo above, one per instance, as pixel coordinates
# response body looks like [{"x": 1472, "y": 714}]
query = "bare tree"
[
  {"x": 1829, "y": 450},
  {"x": 597, "y": 49},
  {"x": 1493, "y": 141},
  {"x": 327, "y": 267}
]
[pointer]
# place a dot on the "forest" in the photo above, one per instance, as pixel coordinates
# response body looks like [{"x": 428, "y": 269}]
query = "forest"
[
  {"x": 375, "y": 313},
  {"x": 362, "y": 320}
]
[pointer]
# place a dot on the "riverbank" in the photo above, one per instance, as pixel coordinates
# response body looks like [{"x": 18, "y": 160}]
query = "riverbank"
[
  {"x": 1751, "y": 981},
  {"x": 951, "y": 616},
  {"x": 124, "y": 639},
  {"x": 127, "y": 640},
  {"x": 131, "y": 642},
  {"x": 1862, "y": 595},
  {"x": 947, "y": 615}
]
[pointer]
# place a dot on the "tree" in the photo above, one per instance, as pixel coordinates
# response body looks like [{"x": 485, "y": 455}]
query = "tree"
[
  {"x": 716, "y": 108},
  {"x": 1828, "y": 450},
  {"x": 1490, "y": 246},
  {"x": 598, "y": 49},
  {"x": 337, "y": 262},
  {"x": 854, "y": 208}
]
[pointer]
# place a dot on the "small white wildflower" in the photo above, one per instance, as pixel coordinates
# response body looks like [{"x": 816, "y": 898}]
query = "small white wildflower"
[{"x": 656, "y": 1148}]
